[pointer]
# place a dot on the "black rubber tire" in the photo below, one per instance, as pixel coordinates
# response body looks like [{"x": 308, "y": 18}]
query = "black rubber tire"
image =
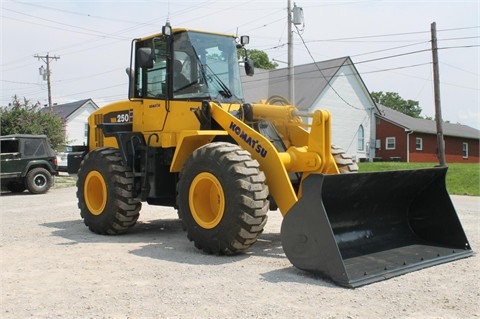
[
  {"x": 244, "y": 195},
  {"x": 38, "y": 180},
  {"x": 344, "y": 162},
  {"x": 16, "y": 187},
  {"x": 105, "y": 183}
]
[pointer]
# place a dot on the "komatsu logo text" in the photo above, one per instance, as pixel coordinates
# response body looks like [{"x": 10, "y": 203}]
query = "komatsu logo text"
[{"x": 248, "y": 139}]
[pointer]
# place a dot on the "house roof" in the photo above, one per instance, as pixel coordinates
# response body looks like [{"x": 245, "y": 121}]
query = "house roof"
[
  {"x": 426, "y": 126},
  {"x": 67, "y": 109},
  {"x": 309, "y": 81}
]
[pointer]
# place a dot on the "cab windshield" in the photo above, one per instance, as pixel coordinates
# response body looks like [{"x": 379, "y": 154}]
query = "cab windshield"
[{"x": 206, "y": 66}]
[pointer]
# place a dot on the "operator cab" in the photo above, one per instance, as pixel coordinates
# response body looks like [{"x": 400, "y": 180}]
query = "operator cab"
[{"x": 182, "y": 64}]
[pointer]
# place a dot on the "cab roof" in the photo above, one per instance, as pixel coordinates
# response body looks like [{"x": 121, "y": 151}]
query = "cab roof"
[{"x": 179, "y": 30}]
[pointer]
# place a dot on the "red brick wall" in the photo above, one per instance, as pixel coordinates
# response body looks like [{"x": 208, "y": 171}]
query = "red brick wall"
[
  {"x": 386, "y": 129},
  {"x": 429, "y": 150},
  {"x": 453, "y": 146}
]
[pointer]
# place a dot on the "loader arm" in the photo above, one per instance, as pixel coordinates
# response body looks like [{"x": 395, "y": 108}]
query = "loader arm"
[
  {"x": 306, "y": 153},
  {"x": 264, "y": 152}
]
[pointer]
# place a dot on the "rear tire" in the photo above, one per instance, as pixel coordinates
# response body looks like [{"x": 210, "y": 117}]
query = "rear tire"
[
  {"x": 344, "y": 162},
  {"x": 222, "y": 198},
  {"x": 105, "y": 192},
  {"x": 38, "y": 180}
]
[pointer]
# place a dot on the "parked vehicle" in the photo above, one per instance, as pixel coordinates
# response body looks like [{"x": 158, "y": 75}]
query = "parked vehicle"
[
  {"x": 62, "y": 159},
  {"x": 28, "y": 162}
]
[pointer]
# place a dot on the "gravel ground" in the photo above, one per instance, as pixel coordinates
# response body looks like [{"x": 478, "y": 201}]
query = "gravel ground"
[{"x": 52, "y": 266}]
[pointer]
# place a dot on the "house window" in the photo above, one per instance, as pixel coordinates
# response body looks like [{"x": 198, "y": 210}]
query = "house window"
[
  {"x": 361, "y": 139},
  {"x": 419, "y": 143},
  {"x": 465, "y": 150},
  {"x": 390, "y": 143},
  {"x": 86, "y": 130}
]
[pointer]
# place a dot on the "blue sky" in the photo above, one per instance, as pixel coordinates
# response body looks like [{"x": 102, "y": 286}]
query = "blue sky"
[{"x": 388, "y": 41}]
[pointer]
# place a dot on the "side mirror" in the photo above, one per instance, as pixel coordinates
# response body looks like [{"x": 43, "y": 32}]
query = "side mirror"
[
  {"x": 244, "y": 39},
  {"x": 249, "y": 68},
  {"x": 145, "y": 58}
]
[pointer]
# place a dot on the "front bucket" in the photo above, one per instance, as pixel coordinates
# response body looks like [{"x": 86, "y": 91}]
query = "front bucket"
[{"x": 360, "y": 228}]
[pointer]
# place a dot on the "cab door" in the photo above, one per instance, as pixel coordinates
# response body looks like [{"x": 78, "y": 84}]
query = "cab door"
[{"x": 151, "y": 84}]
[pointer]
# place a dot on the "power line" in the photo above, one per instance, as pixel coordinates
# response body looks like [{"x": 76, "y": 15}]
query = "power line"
[
  {"x": 91, "y": 31},
  {"x": 460, "y": 47},
  {"x": 99, "y": 89},
  {"x": 396, "y": 68},
  {"x": 393, "y": 56},
  {"x": 367, "y": 37},
  {"x": 381, "y": 58},
  {"x": 86, "y": 76},
  {"x": 75, "y": 13},
  {"x": 263, "y": 25},
  {"x": 321, "y": 73},
  {"x": 390, "y": 35},
  {"x": 389, "y": 49},
  {"x": 17, "y": 82},
  {"x": 462, "y": 38}
]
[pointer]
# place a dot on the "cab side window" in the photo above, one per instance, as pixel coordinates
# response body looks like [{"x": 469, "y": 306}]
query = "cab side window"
[{"x": 152, "y": 82}]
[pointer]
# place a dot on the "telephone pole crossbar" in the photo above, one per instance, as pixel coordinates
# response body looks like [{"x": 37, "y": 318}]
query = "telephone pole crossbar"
[{"x": 46, "y": 74}]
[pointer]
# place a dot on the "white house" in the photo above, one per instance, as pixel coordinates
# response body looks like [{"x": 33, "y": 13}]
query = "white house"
[
  {"x": 332, "y": 85},
  {"x": 75, "y": 117}
]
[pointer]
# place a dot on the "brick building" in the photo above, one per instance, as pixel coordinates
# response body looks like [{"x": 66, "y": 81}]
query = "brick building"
[{"x": 407, "y": 139}]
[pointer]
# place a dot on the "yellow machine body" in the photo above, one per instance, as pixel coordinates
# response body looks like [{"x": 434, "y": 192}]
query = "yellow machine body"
[{"x": 202, "y": 149}]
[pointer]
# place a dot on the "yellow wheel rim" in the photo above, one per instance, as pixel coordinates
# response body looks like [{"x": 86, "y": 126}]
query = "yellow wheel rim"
[
  {"x": 207, "y": 200},
  {"x": 95, "y": 192}
]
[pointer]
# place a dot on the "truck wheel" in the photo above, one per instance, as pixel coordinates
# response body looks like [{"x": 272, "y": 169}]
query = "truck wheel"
[
  {"x": 105, "y": 192},
  {"x": 222, "y": 198},
  {"x": 38, "y": 180},
  {"x": 344, "y": 162}
]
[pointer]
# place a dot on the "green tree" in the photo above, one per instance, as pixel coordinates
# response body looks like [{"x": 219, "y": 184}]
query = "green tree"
[
  {"x": 260, "y": 59},
  {"x": 395, "y": 101},
  {"x": 23, "y": 117}
]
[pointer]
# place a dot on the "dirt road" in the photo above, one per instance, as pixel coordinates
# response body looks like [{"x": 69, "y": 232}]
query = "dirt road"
[{"x": 52, "y": 266}]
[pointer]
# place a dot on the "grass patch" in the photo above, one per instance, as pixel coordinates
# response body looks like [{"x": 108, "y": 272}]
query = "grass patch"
[
  {"x": 62, "y": 181},
  {"x": 462, "y": 179}
]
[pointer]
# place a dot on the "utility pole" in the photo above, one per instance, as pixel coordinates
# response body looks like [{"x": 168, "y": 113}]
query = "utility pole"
[
  {"x": 436, "y": 89},
  {"x": 294, "y": 16},
  {"x": 291, "y": 84},
  {"x": 46, "y": 74}
]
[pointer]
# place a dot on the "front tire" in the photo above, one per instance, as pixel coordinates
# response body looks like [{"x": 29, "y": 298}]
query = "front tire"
[
  {"x": 222, "y": 198},
  {"x": 38, "y": 180},
  {"x": 105, "y": 192}
]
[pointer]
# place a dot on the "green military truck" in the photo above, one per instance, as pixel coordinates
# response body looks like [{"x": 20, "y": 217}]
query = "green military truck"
[{"x": 27, "y": 162}]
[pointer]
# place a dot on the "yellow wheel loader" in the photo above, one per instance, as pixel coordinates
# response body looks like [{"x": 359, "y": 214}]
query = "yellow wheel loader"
[{"x": 185, "y": 138}]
